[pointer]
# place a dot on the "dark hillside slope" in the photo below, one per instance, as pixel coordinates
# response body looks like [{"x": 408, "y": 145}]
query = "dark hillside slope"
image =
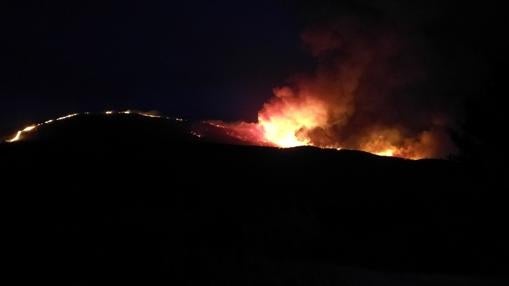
[{"x": 141, "y": 201}]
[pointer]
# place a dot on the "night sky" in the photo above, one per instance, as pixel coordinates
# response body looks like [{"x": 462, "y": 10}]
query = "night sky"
[{"x": 221, "y": 59}]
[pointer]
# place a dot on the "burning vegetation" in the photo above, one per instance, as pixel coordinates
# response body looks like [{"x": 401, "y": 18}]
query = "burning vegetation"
[
  {"x": 367, "y": 93},
  {"x": 21, "y": 133}
]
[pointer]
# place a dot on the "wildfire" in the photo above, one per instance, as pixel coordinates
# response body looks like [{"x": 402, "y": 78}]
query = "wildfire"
[
  {"x": 290, "y": 120},
  {"x": 295, "y": 125},
  {"x": 64, "y": 117},
  {"x": 286, "y": 119},
  {"x": 366, "y": 93},
  {"x": 29, "y": 128},
  {"x": 16, "y": 137},
  {"x": 19, "y": 134}
]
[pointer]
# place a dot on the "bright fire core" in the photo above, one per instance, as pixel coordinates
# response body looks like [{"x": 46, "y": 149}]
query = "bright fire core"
[
  {"x": 288, "y": 120},
  {"x": 284, "y": 123}
]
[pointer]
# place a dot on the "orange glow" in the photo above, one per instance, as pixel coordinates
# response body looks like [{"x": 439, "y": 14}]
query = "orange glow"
[
  {"x": 392, "y": 142},
  {"x": 290, "y": 120},
  {"x": 286, "y": 119},
  {"x": 356, "y": 98},
  {"x": 387, "y": 153}
]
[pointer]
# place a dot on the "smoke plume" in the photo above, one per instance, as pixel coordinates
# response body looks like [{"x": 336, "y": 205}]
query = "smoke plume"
[{"x": 368, "y": 92}]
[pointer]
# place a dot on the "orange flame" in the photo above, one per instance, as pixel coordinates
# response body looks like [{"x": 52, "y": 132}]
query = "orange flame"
[
  {"x": 290, "y": 120},
  {"x": 286, "y": 119}
]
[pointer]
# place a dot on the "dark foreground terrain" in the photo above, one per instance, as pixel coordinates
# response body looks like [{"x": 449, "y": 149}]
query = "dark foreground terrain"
[{"x": 130, "y": 200}]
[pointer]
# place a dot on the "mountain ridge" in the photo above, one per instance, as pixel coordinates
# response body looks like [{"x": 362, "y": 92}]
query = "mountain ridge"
[{"x": 146, "y": 195}]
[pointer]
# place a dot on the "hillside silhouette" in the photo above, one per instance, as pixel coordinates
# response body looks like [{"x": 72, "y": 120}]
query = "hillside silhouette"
[{"x": 127, "y": 199}]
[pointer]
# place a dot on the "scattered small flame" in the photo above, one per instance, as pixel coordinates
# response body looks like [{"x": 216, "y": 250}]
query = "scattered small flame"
[
  {"x": 146, "y": 114},
  {"x": 66, "y": 117},
  {"x": 16, "y": 137},
  {"x": 29, "y": 128},
  {"x": 196, "y": 134},
  {"x": 19, "y": 134}
]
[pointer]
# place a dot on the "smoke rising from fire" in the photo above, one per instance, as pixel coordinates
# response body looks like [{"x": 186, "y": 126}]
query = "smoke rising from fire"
[{"x": 368, "y": 92}]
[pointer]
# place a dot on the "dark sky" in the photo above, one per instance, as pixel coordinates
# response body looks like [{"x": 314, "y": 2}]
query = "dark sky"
[
  {"x": 204, "y": 59},
  {"x": 212, "y": 59}
]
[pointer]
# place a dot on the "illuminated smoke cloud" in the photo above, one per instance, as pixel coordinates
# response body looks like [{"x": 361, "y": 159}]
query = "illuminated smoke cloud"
[{"x": 368, "y": 92}]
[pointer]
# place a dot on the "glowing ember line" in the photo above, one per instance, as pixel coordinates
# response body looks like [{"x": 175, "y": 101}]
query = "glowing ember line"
[
  {"x": 212, "y": 123},
  {"x": 15, "y": 138},
  {"x": 67, "y": 116},
  {"x": 19, "y": 134},
  {"x": 149, "y": 115},
  {"x": 387, "y": 153},
  {"x": 29, "y": 128}
]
